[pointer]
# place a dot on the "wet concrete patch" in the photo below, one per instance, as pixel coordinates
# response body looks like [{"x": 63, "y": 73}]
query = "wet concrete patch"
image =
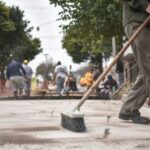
[
  {"x": 32, "y": 129},
  {"x": 11, "y": 138}
]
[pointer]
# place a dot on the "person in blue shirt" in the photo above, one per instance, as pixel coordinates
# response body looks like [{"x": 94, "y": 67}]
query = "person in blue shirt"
[{"x": 16, "y": 75}]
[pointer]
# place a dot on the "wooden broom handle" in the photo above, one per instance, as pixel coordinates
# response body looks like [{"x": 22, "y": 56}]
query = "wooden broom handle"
[{"x": 105, "y": 72}]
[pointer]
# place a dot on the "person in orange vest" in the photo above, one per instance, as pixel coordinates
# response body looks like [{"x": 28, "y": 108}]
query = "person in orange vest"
[
  {"x": 82, "y": 81},
  {"x": 87, "y": 80}
]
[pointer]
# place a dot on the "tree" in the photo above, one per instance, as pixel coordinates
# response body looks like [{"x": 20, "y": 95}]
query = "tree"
[
  {"x": 24, "y": 46},
  {"x": 91, "y": 26},
  {"x": 6, "y": 24},
  {"x": 80, "y": 49},
  {"x": 45, "y": 69},
  {"x": 17, "y": 41}
]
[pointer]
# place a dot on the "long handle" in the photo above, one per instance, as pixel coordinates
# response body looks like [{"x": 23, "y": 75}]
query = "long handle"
[{"x": 105, "y": 72}]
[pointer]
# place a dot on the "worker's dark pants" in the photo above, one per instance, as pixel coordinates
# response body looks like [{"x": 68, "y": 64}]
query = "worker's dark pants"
[
  {"x": 60, "y": 84},
  {"x": 141, "y": 89}
]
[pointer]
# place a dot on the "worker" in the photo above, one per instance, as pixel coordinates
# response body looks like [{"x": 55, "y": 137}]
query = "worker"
[
  {"x": 29, "y": 73},
  {"x": 16, "y": 75},
  {"x": 134, "y": 14},
  {"x": 60, "y": 75}
]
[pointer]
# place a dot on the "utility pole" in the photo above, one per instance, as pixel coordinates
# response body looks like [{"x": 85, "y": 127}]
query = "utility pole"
[
  {"x": 45, "y": 80},
  {"x": 46, "y": 58},
  {"x": 114, "y": 46},
  {"x": 114, "y": 54}
]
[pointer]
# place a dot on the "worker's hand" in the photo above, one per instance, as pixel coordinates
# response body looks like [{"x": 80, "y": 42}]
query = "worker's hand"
[{"x": 148, "y": 9}]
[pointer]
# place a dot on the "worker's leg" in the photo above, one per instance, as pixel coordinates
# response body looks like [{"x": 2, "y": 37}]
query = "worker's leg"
[
  {"x": 134, "y": 100},
  {"x": 14, "y": 86},
  {"x": 60, "y": 85},
  {"x": 140, "y": 90},
  {"x": 27, "y": 87}
]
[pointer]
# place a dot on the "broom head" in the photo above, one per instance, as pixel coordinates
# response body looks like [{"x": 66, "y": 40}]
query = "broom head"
[{"x": 73, "y": 122}]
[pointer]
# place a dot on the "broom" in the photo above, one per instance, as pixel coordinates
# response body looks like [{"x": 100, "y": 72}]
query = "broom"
[{"x": 74, "y": 120}]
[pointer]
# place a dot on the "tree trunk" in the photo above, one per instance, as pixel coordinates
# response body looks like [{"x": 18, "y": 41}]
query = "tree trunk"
[{"x": 98, "y": 61}]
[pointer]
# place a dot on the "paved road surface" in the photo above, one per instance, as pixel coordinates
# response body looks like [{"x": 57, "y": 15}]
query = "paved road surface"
[{"x": 35, "y": 125}]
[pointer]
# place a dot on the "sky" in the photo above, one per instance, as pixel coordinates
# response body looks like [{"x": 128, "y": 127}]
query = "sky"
[{"x": 41, "y": 14}]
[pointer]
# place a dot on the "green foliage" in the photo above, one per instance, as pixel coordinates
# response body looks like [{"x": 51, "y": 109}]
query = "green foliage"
[
  {"x": 6, "y": 24},
  {"x": 45, "y": 69},
  {"x": 23, "y": 46},
  {"x": 92, "y": 24},
  {"x": 4, "y": 10},
  {"x": 32, "y": 48},
  {"x": 17, "y": 41},
  {"x": 74, "y": 45}
]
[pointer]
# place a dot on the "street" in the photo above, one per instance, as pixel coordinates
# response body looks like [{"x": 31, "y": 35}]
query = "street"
[{"x": 35, "y": 125}]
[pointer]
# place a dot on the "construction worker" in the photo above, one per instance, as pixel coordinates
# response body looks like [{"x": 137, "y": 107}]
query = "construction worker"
[
  {"x": 16, "y": 74},
  {"x": 87, "y": 80},
  {"x": 60, "y": 75},
  {"x": 110, "y": 86},
  {"x": 134, "y": 14},
  {"x": 27, "y": 82}
]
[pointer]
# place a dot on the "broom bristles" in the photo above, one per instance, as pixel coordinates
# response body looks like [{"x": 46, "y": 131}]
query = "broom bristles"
[{"x": 73, "y": 122}]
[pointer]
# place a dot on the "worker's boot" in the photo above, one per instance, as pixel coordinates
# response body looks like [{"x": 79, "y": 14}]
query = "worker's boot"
[
  {"x": 15, "y": 95},
  {"x": 27, "y": 93},
  {"x": 20, "y": 93},
  {"x": 138, "y": 119}
]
